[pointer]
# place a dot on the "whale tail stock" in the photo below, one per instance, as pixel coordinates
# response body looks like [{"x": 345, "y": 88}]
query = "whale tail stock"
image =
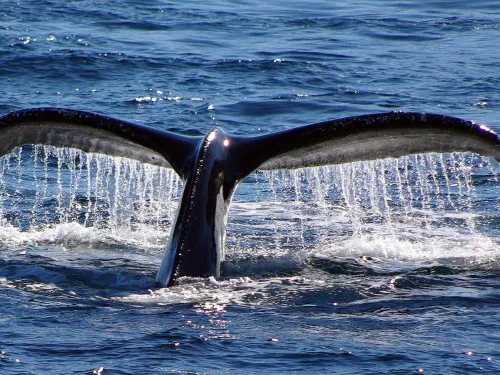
[{"x": 211, "y": 167}]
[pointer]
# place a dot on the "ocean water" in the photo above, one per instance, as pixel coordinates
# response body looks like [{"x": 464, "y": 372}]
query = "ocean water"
[{"x": 385, "y": 267}]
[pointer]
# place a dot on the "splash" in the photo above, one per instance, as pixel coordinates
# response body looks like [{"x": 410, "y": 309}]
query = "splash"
[
  {"x": 47, "y": 191},
  {"x": 424, "y": 206},
  {"x": 417, "y": 207}
]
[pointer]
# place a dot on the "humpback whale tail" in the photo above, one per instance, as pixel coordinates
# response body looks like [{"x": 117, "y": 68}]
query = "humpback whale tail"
[{"x": 211, "y": 167}]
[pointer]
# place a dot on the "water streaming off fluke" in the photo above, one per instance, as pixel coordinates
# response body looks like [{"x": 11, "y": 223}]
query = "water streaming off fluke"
[
  {"x": 45, "y": 186},
  {"x": 420, "y": 205}
]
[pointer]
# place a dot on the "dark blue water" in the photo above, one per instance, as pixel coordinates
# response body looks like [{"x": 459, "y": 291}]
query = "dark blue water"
[{"x": 328, "y": 270}]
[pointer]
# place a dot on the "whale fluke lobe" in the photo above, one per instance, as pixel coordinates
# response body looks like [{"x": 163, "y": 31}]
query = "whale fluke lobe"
[
  {"x": 211, "y": 167},
  {"x": 367, "y": 137},
  {"x": 92, "y": 132}
]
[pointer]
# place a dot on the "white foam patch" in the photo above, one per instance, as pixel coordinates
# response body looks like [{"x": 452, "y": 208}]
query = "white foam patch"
[
  {"x": 211, "y": 294},
  {"x": 74, "y": 234},
  {"x": 43, "y": 288},
  {"x": 192, "y": 290},
  {"x": 390, "y": 247},
  {"x": 5, "y": 283},
  {"x": 299, "y": 231}
]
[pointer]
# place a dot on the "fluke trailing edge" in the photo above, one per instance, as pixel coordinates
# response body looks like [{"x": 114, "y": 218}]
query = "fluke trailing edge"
[{"x": 211, "y": 167}]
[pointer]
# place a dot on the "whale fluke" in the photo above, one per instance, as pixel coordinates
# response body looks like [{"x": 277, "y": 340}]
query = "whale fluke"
[
  {"x": 92, "y": 132},
  {"x": 368, "y": 137},
  {"x": 211, "y": 167}
]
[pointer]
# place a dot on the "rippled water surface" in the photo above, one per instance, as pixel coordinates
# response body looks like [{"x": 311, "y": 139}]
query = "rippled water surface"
[{"x": 373, "y": 267}]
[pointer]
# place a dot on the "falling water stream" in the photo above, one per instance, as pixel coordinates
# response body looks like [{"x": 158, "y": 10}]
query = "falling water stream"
[
  {"x": 412, "y": 208},
  {"x": 407, "y": 208},
  {"x": 42, "y": 187}
]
